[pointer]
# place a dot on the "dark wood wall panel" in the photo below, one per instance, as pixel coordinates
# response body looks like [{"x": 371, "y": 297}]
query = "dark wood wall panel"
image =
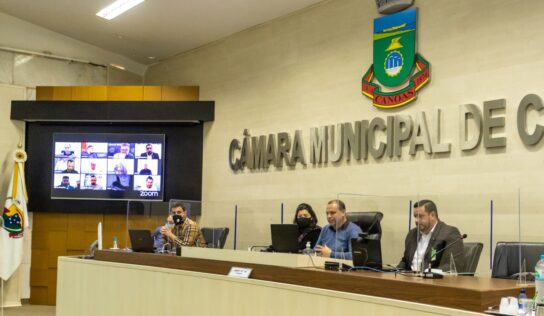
[
  {"x": 68, "y": 227},
  {"x": 62, "y": 234}
]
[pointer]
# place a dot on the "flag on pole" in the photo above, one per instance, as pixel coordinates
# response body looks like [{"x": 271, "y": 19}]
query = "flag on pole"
[{"x": 14, "y": 219}]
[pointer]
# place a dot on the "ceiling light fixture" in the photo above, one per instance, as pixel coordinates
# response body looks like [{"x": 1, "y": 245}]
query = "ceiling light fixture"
[
  {"x": 117, "y": 8},
  {"x": 117, "y": 66}
]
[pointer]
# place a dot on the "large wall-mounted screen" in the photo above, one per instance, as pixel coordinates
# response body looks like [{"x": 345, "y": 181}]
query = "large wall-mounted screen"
[{"x": 108, "y": 166}]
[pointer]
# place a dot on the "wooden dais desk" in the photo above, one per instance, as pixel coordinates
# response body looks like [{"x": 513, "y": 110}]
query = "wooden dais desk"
[{"x": 458, "y": 292}]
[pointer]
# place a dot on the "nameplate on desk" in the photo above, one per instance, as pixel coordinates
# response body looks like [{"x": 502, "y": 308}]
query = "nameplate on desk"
[{"x": 238, "y": 272}]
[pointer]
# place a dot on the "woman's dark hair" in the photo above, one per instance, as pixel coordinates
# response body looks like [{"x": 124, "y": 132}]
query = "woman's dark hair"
[{"x": 308, "y": 207}]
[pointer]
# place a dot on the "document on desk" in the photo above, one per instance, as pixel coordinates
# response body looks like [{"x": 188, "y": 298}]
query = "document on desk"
[{"x": 237, "y": 272}]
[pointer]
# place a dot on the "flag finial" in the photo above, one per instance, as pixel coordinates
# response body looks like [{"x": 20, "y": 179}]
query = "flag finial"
[{"x": 20, "y": 143}]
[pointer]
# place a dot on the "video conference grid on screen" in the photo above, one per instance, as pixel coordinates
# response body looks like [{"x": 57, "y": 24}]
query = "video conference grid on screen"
[{"x": 100, "y": 169}]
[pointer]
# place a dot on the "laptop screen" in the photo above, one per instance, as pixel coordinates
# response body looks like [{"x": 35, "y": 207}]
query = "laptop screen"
[
  {"x": 285, "y": 237},
  {"x": 141, "y": 240}
]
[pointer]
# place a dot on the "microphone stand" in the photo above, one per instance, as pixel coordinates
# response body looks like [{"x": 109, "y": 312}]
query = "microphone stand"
[
  {"x": 420, "y": 273},
  {"x": 164, "y": 246},
  {"x": 428, "y": 274}
]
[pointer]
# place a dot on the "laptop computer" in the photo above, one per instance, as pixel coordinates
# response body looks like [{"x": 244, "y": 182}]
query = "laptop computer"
[
  {"x": 141, "y": 240},
  {"x": 285, "y": 237},
  {"x": 366, "y": 253}
]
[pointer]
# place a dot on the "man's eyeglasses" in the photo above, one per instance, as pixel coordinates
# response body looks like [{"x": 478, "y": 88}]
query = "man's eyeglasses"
[
  {"x": 148, "y": 147},
  {"x": 177, "y": 213}
]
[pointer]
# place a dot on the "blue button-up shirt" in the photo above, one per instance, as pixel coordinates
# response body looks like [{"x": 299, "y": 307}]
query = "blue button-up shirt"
[{"x": 339, "y": 240}]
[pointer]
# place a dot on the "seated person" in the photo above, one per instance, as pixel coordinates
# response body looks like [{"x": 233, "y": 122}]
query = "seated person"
[
  {"x": 65, "y": 184},
  {"x": 185, "y": 231},
  {"x": 89, "y": 153},
  {"x": 70, "y": 167},
  {"x": 145, "y": 170},
  {"x": 149, "y": 154},
  {"x": 157, "y": 236},
  {"x": 309, "y": 231},
  {"x": 335, "y": 238},
  {"x": 306, "y": 220},
  {"x": 434, "y": 235},
  {"x": 67, "y": 150},
  {"x": 124, "y": 152},
  {"x": 149, "y": 184},
  {"x": 121, "y": 183},
  {"x": 122, "y": 179},
  {"x": 93, "y": 184}
]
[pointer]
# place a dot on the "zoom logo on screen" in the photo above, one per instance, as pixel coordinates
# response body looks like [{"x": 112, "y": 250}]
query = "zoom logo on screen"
[{"x": 149, "y": 194}]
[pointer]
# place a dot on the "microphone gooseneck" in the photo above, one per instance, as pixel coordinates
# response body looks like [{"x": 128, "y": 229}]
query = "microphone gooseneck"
[
  {"x": 463, "y": 236},
  {"x": 428, "y": 274}
]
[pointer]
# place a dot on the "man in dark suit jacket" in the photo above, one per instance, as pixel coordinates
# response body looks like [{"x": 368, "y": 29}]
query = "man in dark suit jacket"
[
  {"x": 434, "y": 235},
  {"x": 149, "y": 154}
]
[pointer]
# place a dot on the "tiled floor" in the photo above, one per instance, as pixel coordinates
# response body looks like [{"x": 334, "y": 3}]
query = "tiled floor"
[{"x": 29, "y": 310}]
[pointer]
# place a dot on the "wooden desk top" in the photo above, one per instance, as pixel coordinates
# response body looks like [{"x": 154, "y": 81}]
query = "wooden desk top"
[{"x": 460, "y": 292}]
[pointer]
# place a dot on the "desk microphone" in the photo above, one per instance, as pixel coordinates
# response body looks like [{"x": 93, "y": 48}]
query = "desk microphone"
[
  {"x": 453, "y": 243},
  {"x": 430, "y": 275}
]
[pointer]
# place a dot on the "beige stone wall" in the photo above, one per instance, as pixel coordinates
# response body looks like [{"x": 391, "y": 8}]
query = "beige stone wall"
[
  {"x": 21, "y": 35},
  {"x": 304, "y": 71},
  {"x": 20, "y": 73},
  {"x": 24, "y": 62},
  {"x": 12, "y": 132}
]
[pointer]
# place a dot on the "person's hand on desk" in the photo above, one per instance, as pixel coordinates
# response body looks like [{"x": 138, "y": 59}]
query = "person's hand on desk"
[{"x": 323, "y": 250}]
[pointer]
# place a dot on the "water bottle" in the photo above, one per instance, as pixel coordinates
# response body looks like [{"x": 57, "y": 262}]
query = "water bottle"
[
  {"x": 522, "y": 302},
  {"x": 308, "y": 250},
  {"x": 115, "y": 242},
  {"x": 539, "y": 281}
]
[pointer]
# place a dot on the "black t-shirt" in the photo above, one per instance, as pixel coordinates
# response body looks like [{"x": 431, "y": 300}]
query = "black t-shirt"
[{"x": 310, "y": 235}]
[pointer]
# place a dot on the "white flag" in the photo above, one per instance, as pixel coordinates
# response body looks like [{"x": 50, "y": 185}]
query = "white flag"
[{"x": 14, "y": 219}]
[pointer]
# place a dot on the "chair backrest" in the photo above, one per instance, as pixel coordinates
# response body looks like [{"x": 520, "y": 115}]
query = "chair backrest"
[
  {"x": 506, "y": 260},
  {"x": 369, "y": 223},
  {"x": 215, "y": 236},
  {"x": 472, "y": 250},
  {"x": 157, "y": 238}
]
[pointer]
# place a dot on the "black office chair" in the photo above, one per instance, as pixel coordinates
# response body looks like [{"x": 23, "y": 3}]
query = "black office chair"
[
  {"x": 472, "y": 251},
  {"x": 506, "y": 262},
  {"x": 215, "y": 236},
  {"x": 369, "y": 223}
]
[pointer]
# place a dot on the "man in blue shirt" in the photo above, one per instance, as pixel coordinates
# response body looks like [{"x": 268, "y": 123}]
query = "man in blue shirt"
[{"x": 335, "y": 238}]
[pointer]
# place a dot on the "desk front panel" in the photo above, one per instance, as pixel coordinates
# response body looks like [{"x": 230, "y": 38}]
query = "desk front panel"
[{"x": 460, "y": 292}]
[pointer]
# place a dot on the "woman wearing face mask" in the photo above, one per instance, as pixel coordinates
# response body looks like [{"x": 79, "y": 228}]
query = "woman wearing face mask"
[{"x": 306, "y": 220}]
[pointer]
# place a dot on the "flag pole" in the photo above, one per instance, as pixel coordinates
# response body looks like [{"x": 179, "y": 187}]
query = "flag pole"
[{"x": 1, "y": 297}]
